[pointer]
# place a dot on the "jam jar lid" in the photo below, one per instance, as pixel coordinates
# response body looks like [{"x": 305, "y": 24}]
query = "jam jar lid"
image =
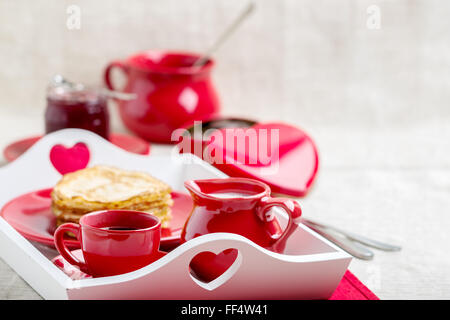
[{"x": 61, "y": 89}]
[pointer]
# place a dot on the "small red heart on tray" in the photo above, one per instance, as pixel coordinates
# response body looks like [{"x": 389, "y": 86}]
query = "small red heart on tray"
[
  {"x": 66, "y": 160},
  {"x": 208, "y": 266}
]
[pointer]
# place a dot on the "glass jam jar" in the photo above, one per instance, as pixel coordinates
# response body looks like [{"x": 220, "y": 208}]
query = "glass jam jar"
[{"x": 72, "y": 105}]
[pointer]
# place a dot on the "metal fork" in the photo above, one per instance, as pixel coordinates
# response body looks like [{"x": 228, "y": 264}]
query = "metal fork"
[{"x": 349, "y": 241}]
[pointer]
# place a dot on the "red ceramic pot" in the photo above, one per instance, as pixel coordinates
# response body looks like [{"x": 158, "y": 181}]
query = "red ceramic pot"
[
  {"x": 236, "y": 205},
  {"x": 171, "y": 93}
]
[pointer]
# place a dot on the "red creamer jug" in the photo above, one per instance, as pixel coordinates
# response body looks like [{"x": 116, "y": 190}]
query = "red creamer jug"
[{"x": 236, "y": 205}]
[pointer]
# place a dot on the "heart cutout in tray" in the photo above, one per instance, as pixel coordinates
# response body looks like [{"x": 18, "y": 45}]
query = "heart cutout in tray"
[
  {"x": 128, "y": 143},
  {"x": 66, "y": 160},
  {"x": 210, "y": 270}
]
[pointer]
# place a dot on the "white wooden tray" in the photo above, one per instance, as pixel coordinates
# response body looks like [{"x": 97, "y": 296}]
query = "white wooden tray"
[{"x": 311, "y": 267}]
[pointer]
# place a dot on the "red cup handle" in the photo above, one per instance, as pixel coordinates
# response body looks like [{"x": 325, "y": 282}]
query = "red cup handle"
[
  {"x": 291, "y": 207},
  {"x": 61, "y": 247},
  {"x": 107, "y": 75}
]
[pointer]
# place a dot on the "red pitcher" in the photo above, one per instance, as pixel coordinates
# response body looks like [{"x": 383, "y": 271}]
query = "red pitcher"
[
  {"x": 171, "y": 93},
  {"x": 236, "y": 205}
]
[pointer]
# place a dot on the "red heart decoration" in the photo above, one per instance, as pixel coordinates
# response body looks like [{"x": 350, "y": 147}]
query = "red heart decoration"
[
  {"x": 288, "y": 138},
  {"x": 208, "y": 266},
  {"x": 293, "y": 173},
  {"x": 66, "y": 160}
]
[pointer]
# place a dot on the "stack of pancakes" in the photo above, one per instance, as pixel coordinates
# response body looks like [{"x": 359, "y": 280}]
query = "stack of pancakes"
[{"x": 102, "y": 188}]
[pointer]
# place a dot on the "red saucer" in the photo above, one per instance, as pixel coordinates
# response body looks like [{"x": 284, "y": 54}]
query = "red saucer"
[
  {"x": 30, "y": 214},
  {"x": 73, "y": 272},
  {"x": 126, "y": 142}
]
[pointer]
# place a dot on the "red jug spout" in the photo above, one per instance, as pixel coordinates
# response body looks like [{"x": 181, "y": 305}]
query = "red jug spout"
[{"x": 193, "y": 188}]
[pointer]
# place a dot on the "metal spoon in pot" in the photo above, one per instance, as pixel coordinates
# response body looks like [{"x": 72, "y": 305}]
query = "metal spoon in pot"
[{"x": 224, "y": 36}]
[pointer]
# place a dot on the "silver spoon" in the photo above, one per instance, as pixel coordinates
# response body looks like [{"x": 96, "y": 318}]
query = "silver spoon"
[
  {"x": 355, "y": 249},
  {"x": 224, "y": 36},
  {"x": 355, "y": 237}
]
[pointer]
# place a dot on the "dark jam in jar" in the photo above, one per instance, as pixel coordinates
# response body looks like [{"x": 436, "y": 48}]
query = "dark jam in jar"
[{"x": 84, "y": 108}]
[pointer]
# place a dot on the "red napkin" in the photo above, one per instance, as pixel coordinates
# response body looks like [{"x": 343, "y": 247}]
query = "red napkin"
[{"x": 351, "y": 288}]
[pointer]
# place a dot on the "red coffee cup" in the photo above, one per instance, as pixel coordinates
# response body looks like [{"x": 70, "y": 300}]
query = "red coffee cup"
[{"x": 112, "y": 241}]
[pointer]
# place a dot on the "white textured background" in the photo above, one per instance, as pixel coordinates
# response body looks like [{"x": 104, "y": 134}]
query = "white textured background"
[{"x": 376, "y": 101}]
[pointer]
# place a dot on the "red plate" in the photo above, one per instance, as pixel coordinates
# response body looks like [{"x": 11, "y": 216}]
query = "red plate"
[
  {"x": 292, "y": 174},
  {"x": 31, "y": 215},
  {"x": 126, "y": 142}
]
